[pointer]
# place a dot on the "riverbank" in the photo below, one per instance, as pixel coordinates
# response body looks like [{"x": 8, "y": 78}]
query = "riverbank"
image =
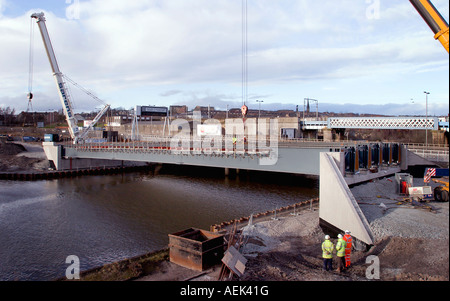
[
  {"x": 16, "y": 157},
  {"x": 411, "y": 243},
  {"x": 26, "y": 161}
]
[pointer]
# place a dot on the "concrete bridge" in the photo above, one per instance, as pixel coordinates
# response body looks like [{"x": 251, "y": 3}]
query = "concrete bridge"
[
  {"x": 332, "y": 162},
  {"x": 295, "y": 158}
]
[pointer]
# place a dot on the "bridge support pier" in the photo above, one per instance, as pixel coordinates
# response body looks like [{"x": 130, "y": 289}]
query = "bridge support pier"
[
  {"x": 227, "y": 171},
  {"x": 330, "y": 135},
  {"x": 338, "y": 208}
]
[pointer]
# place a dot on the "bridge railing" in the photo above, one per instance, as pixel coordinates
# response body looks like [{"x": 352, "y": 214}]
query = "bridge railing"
[
  {"x": 432, "y": 155},
  {"x": 161, "y": 145},
  {"x": 427, "y": 146}
]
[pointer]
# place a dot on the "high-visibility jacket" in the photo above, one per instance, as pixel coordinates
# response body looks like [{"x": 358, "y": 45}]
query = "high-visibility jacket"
[
  {"x": 340, "y": 247},
  {"x": 348, "y": 238},
  {"x": 327, "y": 249}
]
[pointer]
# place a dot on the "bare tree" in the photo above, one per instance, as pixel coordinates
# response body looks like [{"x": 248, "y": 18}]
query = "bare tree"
[{"x": 7, "y": 115}]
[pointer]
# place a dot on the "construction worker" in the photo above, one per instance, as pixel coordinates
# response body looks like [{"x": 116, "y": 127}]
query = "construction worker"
[
  {"x": 348, "y": 249},
  {"x": 340, "y": 252},
  {"x": 327, "y": 254}
]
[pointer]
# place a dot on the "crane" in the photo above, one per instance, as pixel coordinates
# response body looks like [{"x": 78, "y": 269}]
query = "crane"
[
  {"x": 63, "y": 92},
  {"x": 434, "y": 20}
]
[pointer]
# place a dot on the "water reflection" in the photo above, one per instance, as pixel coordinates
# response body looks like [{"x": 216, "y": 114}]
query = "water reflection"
[{"x": 102, "y": 219}]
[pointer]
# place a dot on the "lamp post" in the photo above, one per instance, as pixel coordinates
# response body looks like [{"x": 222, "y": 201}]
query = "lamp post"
[
  {"x": 426, "y": 118},
  {"x": 259, "y": 110}
]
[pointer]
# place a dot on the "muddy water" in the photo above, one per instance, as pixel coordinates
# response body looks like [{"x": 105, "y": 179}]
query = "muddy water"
[{"x": 102, "y": 219}]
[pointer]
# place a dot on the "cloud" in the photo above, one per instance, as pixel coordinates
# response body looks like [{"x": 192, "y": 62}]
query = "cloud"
[
  {"x": 130, "y": 51},
  {"x": 170, "y": 93}
]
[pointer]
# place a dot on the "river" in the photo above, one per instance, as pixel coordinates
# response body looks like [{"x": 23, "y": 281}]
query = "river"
[{"x": 102, "y": 219}]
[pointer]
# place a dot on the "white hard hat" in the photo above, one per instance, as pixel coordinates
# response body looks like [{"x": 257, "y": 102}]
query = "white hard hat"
[
  {"x": 327, "y": 236},
  {"x": 346, "y": 231},
  {"x": 339, "y": 235}
]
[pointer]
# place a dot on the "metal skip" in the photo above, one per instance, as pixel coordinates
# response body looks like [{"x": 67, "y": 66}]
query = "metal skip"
[{"x": 196, "y": 249}]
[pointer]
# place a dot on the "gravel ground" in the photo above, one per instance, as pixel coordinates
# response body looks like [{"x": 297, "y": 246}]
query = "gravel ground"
[
  {"x": 388, "y": 215},
  {"x": 411, "y": 241}
]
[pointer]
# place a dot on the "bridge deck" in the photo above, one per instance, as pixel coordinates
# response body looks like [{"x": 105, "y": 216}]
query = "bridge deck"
[
  {"x": 288, "y": 157},
  {"x": 281, "y": 159}
]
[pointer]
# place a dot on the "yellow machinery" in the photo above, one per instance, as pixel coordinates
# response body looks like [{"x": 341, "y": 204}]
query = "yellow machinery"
[
  {"x": 441, "y": 174},
  {"x": 441, "y": 192},
  {"x": 434, "y": 20}
]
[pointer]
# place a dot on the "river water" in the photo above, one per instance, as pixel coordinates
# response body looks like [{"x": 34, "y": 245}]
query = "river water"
[{"x": 102, "y": 219}]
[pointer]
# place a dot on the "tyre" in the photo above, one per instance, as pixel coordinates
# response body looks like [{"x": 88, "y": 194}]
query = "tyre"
[
  {"x": 444, "y": 194},
  {"x": 440, "y": 194}
]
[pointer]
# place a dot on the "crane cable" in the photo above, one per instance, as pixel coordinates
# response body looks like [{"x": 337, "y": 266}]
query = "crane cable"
[
  {"x": 30, "y": 66},
  {"x": 244, "y": 53},
  {"x": 83, "y": 89},
  {"x": 31, "y": 71}
]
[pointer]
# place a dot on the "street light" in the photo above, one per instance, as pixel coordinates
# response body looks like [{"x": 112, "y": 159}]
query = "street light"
[
  {"x": 426, "y": 118},
  {"x": 259, "y": 110}
]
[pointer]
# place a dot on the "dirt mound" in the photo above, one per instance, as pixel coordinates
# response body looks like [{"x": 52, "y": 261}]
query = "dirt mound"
[
  {"x": 11, "y": 148},
  {"x": 12, "y": 159}
]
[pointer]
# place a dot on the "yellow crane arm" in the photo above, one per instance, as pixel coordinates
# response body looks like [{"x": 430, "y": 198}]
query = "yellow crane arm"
[{"x": 434, "y": 20}]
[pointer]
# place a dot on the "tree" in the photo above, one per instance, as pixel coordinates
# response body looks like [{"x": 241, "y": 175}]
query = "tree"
[{"x": 7, "y": 115}]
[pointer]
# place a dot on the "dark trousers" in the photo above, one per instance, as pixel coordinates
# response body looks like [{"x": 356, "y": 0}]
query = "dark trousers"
[
  {"x": 328, "y": 264},
  {"x": 341, "y": 263}
]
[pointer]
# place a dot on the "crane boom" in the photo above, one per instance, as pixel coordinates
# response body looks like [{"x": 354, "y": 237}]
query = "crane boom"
[
  {"x": 434, "y": 20},
  {"x": 61, "y": 85},
  {"x": 62, "y": 90}
]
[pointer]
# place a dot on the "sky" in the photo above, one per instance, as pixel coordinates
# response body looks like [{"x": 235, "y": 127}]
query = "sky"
[{"x": 358, "y": 56}]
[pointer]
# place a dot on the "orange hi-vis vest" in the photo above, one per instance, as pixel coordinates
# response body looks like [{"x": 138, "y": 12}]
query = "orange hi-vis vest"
[
  {"x": 348, "y": 249},
  {"x": 348, "y": 238}
]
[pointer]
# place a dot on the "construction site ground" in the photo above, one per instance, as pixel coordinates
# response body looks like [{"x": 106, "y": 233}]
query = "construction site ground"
[
  {"x": 411, "y": 244},
  {"x": 411, "y": 238}
]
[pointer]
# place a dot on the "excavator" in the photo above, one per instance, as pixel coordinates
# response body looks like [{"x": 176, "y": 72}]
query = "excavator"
[
  {"x": 440, "y": 29},
  {"x": 440, "y": 192}
]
